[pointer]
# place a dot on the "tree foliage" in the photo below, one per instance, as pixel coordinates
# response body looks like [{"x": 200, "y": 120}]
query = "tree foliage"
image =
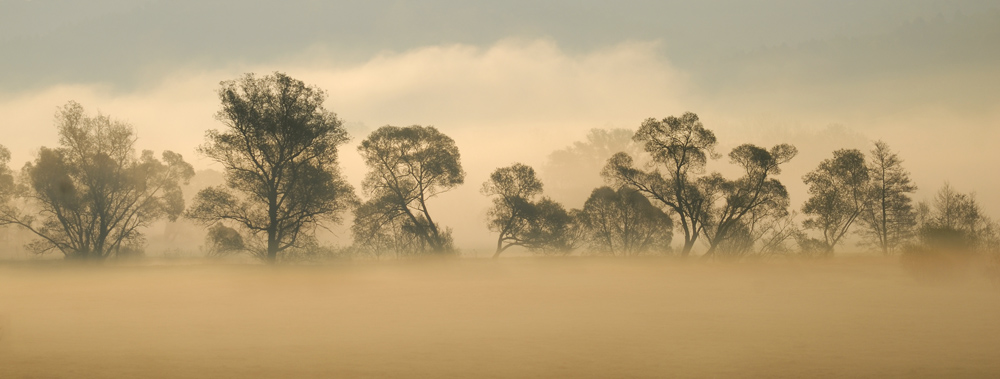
[
  {"x": 755, "y": 195},
  {"x": 888, "y": 218},
  {"x": 90, "y": 197},
  {"x": 681, "y": 146},
  {"x": 279, "y": 151},
  {"x": 541, "y": 226},
  {"x": 407, "y": 167},
  {"x": 838, "y": 194},
  {"x": 624, "y": 223}
]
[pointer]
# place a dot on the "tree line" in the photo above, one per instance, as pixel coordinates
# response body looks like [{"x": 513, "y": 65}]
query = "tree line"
[{"x": 90, "y": 197}]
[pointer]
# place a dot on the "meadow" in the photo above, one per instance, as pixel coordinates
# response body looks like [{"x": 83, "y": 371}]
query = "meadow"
[{"x": 513, "y": 317}]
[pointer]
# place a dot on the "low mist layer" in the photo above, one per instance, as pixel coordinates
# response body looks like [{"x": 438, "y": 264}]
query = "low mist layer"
[{"x": 509, "y": 318}]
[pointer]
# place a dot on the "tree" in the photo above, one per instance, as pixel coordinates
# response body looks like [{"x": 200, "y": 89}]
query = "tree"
[
  {"x": 839, "y": 191},
  {"x": 961, "y": 215},
  {"x": 521, "y": 221},
  {"x": 279, "y": 153},
  {"x": 380, "y": 228},
  {"x": 681, "y": 146},
  {"x": 7, "y": 185},
  {"x": 90, "y": 197},
  {"x": 624, "y": 223},
  {"x": 956, "y": 229},
  {"x": 574, "y": 171},
  {"x": 889, "y": 218},
  {"x": 754, "y": 193},
  {"x": 408, "y": 166}
]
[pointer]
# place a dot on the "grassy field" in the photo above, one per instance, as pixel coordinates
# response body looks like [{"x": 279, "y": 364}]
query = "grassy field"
[{"x": 523, "y": 318}]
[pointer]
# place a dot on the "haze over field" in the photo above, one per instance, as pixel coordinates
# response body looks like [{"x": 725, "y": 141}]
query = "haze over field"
[
  {"x": 547, "y": 318},
  {"x": 717, "y": 188},
  {"x": 514, "y": 82}
]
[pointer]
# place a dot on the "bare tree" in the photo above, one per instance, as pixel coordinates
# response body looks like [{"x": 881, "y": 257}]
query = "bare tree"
[
  {"x": 681, "y": 146},
  {"x": 889, "y": 218},
  {"x": 624, "y": 223},
  {"x": 279, "y": 152},
  {"x": 408, "y": 166},
  {"x": 89, "y": 198},
  {"x": 839, "y": 190}
]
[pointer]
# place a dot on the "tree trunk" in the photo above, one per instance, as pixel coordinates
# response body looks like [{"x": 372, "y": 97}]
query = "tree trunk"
[
  {"x": 688, "y": 245},
  {"x": 272, "y": 229}
]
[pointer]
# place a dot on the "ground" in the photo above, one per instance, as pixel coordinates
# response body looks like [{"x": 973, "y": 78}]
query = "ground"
[{"x": 472, "y": 318}]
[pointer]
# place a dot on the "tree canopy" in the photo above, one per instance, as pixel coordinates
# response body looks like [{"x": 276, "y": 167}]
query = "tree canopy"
[
  {"x": 838, "y": 194},
  {"x": 407, "y": 167},
  {"x": 279, "y": 152},
  {"x": 681, "y": 146},
  {"x": 542, "y": 225},
  {"x": 623, "y": 222},
  {"x": 90, "y": 197}
]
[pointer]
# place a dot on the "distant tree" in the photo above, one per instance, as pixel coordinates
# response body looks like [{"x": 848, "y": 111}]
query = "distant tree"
[
  {"x": 279, "y": 153},
  {"x": 838, "y": 194},
  {"x": 572, "y": 172},
  {"x": 407, "y": 166},
  {"x": 681, "y": 146},
  {"x": 624, "y": 223},
  {"x": 736, "y": 202},
  {"x": 888, "y": 219},
  {"x": 222, "y": 240},
  {"x": 90, "y": 197},
  {"x": 961, "y": 213},
  {"x": 956, "y": 230}
]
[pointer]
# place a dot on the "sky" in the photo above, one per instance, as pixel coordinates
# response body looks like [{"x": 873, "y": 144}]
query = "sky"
[{"x": 514, "y": 81}]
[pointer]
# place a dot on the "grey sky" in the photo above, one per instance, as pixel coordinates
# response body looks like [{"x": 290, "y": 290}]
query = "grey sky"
[{"x": 126, "y": 41}]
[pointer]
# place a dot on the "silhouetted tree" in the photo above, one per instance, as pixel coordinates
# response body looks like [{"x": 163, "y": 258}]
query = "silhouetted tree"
[
  {"x": 681, "y": 146},
  {"x": 408, "y": 166},
  {"x": 624, "y": 223},
  {"x": 888, "y": 218},
  {"x": 521, "y": 221},
  {"x": 737, "y": 201},
  {"x": 90, "y": 197},
  {"x": 279, "y": 152},
  {"x": 838, "y": 193}
]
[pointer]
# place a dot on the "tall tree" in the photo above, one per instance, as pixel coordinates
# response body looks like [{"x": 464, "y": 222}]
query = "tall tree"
[
  {"x": 89, "y": 198},
  {"x": 408, "y": 166},
  {"x": 889, "y": 218},
  {"x": 279, "y": 152},
  {"x": 681, "y": 146},
  {"x": 838, "y": 193},
  {"x": 754, "y": 193},
  {"x": 624, "y": 223}
]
